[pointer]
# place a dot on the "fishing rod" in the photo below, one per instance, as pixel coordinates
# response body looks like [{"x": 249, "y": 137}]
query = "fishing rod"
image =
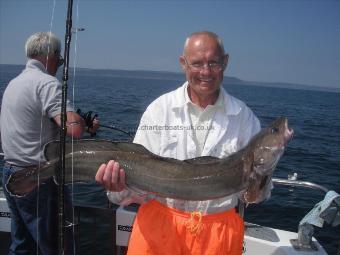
[
  {"x": 88, "y": 118},
  {"x": 113, "y": 127},
  {"x": 61, "y": 173}
]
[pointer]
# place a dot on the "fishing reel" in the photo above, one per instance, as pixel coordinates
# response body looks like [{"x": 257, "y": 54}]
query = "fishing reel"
[{"x": 88, "y": 118}]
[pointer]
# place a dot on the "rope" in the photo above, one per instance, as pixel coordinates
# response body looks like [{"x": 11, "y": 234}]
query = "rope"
[{"x": 194, "y": 224}]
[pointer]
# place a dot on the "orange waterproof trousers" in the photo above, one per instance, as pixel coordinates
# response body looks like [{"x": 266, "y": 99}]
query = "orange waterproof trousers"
[{"x": 160, "y": 230}]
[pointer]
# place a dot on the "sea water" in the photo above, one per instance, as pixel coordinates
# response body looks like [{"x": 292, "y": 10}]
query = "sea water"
[{"x": 120, "y": 97}]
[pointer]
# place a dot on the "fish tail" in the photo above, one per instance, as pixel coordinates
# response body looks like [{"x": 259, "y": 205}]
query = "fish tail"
[{"x": 24, "y": 181}]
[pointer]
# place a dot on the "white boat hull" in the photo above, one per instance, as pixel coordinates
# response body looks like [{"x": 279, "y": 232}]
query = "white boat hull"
[
  {"x": 5, "y": 220},
  {"x": 259, "y": 240}
]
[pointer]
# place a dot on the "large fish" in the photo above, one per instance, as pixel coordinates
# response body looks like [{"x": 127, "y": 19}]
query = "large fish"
[{"x": 248, "y": 170}]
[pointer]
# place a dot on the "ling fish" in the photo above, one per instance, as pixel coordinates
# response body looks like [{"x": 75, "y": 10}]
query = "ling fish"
[{"x": 248, "y": 170}]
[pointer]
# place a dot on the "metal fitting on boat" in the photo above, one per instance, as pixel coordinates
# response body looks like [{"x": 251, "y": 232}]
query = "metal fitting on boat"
[{"x": 304, "y": 241}]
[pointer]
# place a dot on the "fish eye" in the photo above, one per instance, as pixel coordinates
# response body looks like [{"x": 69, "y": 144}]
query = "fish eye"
[{"x": 275, "y": 130}]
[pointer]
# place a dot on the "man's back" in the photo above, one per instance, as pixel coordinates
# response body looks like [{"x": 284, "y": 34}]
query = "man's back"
[{"x": 27, "y": 106}]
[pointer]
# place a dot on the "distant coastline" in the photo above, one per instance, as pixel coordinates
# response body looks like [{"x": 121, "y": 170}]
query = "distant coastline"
[{"x": 143, "y": 74}]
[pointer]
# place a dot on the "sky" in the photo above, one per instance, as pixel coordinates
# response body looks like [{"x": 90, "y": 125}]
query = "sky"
[{"x": 291, "y": 41}]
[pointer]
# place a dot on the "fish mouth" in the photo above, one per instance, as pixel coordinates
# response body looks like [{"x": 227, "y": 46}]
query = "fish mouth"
[{"x": 288, "y": 133}]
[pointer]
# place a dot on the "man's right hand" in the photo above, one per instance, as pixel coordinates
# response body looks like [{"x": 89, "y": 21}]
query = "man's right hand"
[{"x": 111, "y": 176}]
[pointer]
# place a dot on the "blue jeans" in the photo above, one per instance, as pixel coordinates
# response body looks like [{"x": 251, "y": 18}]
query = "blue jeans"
[{"x": 34, "y": 218}]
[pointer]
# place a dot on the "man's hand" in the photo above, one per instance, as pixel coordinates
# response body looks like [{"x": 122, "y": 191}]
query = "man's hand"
[
  {"x": 74, "y": 123},
  {"x": 91, "y": 122},
  {"x": 95, "y": 125},
  {"x": 111, "y": 176}
]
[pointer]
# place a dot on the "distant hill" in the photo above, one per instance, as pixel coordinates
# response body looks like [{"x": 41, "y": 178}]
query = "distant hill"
[
  {"x": 289, "y": 86},
  {"x": 142, "y": 74}
]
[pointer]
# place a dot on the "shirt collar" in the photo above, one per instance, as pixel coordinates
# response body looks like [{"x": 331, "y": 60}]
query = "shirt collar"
[
  {"x": 224, "y": 100},
  {"x": 36, "y": 64},
  {"x": 231, "y": 105},
  {"x": 218, "y": 104}
]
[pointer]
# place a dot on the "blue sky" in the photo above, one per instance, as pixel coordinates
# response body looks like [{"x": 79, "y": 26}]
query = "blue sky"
[{"x": 274, "y": 41}]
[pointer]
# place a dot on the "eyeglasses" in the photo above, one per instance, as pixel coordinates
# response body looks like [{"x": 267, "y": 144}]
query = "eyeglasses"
[
  {"x": 60, "y": 61},
  {"x": 199, "y": 66}
]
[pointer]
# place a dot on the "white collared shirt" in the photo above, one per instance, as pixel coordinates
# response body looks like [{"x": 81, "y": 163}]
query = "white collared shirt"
[
  {"x": 165, "y": 129},
  {"x": 201, "y": 119}
]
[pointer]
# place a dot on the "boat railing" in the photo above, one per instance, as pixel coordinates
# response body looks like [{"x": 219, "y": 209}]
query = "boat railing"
[
  {"x": 291, "y": 183},
  {"x": 305, "y": 230},
  {"x": 303, "y": 184}
]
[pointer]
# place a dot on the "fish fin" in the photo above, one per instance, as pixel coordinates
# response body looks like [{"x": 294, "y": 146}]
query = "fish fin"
[
  {"x": 131, "y": 147},
  {"x": 248, "y": 167},
  {"x": 19, "y": 184},
  {"x": 51, "y": 149},
  {"x": 202, "y": 160}
]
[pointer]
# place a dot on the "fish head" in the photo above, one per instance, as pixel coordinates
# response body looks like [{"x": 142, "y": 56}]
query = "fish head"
[
  {"x": 266, "y": 148},
  {"x": 269, "y": 144}
]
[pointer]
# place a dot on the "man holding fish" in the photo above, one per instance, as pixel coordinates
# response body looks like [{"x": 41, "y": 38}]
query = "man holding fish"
[
  {"x": 190, "y": 182},
  {"x": 209, "y": 122}
]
